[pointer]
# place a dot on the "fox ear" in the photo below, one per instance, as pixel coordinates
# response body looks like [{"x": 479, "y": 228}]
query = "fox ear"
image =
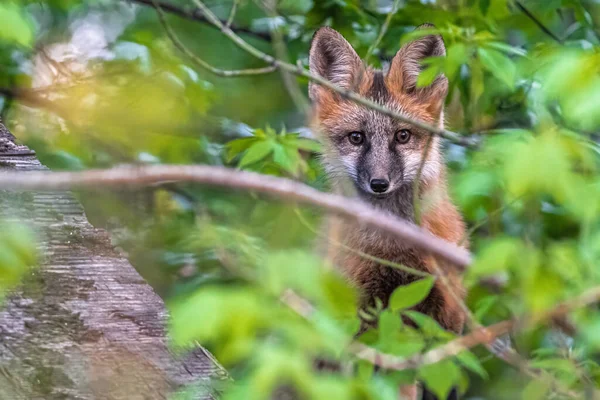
[
  {"x": 406, "y": 67},
  {"x": 332, "y": 58}
]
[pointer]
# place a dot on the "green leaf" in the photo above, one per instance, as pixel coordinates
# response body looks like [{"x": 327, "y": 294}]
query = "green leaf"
[
  {"x": 390, "y": 324},
  {"x": 308, "y": 145},
  {"x": 498, "y": 64},
  {"x": 498, "y": 9},
  {"x": 237, "y": 146},
  {"x": 417, "y": 34},
  {"x": 256, "y": 152},
  {"x": 227, "y": 317},
  {"x": 471, "y": 362},
  {"x": 477, "y": 86},
  {"x": 428, "y": 75},
  {"x": 536, "y": 390},
  {"x": 547, "y": 164},
  {"x": 456, "y": 55},
  {"x": 295, "y": 6},
  {"x": 410, "y": 295},
  {"x": 21, "y": 240},
  {"x": 341, "y": 297},
  {"x": 506, "y": 48},
  {"x": 485, "y": 305},
  {"x": 14, "y": 26},
  {"x": 428, "y": 326},
  {"x": 286, "y": 157},
  {"x": 440, "y": 377},
  {"x": 496, "y": 256},
  {"x": 484, "y": 5},
  {"x": 18, "y": 252},
  {"x": 556, "y": 364}
]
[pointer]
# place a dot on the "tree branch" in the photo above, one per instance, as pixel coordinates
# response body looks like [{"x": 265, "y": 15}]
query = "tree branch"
[
  {"x": 32, "y": 99},
  {"x": 288, "y": 189},
  {"x": 195, "y": 15},
  {"x": 483, "y": 335}
]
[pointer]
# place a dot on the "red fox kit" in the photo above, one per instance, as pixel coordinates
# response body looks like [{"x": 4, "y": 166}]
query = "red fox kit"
[{"x": 382, "y": 156}]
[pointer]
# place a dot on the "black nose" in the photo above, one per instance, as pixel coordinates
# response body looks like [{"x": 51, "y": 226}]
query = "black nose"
[{"x": 379, "y": 185}]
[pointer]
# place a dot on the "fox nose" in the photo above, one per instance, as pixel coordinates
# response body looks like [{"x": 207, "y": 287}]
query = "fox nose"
[{"x": 379, "y": 185}]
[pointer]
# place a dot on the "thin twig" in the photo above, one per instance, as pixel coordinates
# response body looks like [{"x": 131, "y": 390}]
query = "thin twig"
[
  {"x": 220, "y": 72},
  {"x": 485, "y": 219},
  {"x": 232, "y": 13},
  {"x": 536, "y": 21},
  {"x": 383, "y": 30},
  {"x": 281, "y": 52},
  {"x": 366, "y": 256},
  {"x": 295, "y": 69},
  {"x": 195, "y": 15},
  {"x": 60, "y": 69},
  {"x": 351, "y": 209}
]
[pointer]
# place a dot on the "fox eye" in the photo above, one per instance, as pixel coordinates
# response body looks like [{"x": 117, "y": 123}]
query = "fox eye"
[
  {"x": 403, "y": 136},
  {"x": 356, "y": 138}
]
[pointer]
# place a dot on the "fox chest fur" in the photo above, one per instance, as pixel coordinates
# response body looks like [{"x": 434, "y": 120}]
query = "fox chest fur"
[{"x": 378, "y": 159}]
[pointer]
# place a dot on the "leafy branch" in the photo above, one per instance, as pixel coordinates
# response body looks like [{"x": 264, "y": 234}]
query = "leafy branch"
[{"x": 482, "y": 335}]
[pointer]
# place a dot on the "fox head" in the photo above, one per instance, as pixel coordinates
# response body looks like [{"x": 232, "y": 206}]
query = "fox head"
[{"x": 378, "y": 153}]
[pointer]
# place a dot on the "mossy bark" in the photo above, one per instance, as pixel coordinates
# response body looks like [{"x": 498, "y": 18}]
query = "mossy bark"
[{"x": 84, "y": 324}]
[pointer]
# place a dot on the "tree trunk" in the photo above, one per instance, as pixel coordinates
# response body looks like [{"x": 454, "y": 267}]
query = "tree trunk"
[{"x": 84, "y": 325}]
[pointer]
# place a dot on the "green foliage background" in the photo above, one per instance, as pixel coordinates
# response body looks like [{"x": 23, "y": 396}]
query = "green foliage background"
[{"x": 525, "y": 79}]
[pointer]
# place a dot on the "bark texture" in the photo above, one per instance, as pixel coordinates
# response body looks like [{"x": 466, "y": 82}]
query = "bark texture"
[{"x": 84, "y": 325}]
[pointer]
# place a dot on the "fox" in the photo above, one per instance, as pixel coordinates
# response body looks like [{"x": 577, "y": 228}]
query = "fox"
[{"x": 377, "y": 158}]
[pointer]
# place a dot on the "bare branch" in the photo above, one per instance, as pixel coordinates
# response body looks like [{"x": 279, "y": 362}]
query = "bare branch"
[
  {"x": 32, "y": 99},
  {"x": 288, "y": 189},
  {"x": 203, "y": 64},
  {"x": 295, "y": 69},
  {"x": 60, "y": 69},
  {"x": 589, "y": 297}
]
